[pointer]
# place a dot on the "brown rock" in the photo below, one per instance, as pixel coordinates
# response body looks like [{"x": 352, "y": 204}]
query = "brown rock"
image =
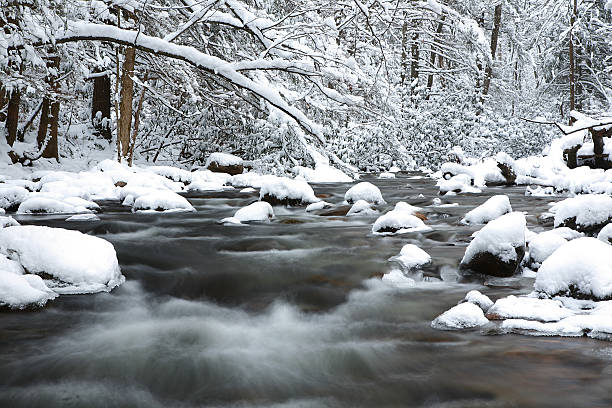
[
  {"x": 120, "y": 184},
  {"x": 231, "y": 170}
]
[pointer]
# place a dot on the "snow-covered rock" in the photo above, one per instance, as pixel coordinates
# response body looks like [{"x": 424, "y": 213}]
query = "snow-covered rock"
[
  {"x": 542, "y": 246},
  {"x": 386, "y": 175},
  {"x": 44, "y": 205},
  {"x": 361, "y": 207},
  {"x": 498, "y": 248},
  {"x": 224, "y": 163},
  {"x": 286, "y": 191},
  {"x": 7, "y": 221},
  {"x": 162, "y": 200},
  {"x": 18, "y": 291},
  {"x": 258, "y": 211},
  {"x": 480, "y": 300},
  {"x": 605, "y": 235},
  {"x": 83, "y": 217},
  {"x": 463, "y": 316},
  {"x": 491, "y": 209},
  {"x": 11, "y": 196},
  {"x": 77, "y": 263},
  {"x": 200, "y": 185},
  {"x": 543, "y": 310},
  {"x": 584, "y": 213},
  {"x": 320, "y": 205},
  {"x": 400, "y": 220},
  {"x": 397, "y": 278},
  {"x": 581, "y": 268},
  {"x": 411, "y": 257},
  {"x": 364, "y": 191},
  {"x": 461, "y": 183},
  {"x": 322, "y": 173},
  {"x": 172, "y": 173},
  {"x": 250, "y": 179}
]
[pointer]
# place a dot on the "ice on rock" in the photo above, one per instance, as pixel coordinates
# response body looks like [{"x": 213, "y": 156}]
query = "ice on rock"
[
  {"x": 12, "y": 196},
  {"x": 322, "y": 173},
  {"x": 318, "y": 206},
  {"x": 361, "y": 207},
  {"x": 286, "y": 191},
  {"x": 20, "y": 291},
  {"x": 491, "y": 209},
  {"x": 44, "y": 205},
  {"x": 463, "y": 316},
  {"x": 258, "y": 211},
  {"x": 78, "y": 263},
  {"x": 498, "y": 248},
  {"x": 605, "y": 235},
  {"x": 162, "y": 200},
  {"x": 400, "y": 220},
  {"x": 397, "y": 278},
  {"x": 581, "y": 268},
  {"x": 543, "y": 310},
  {"x": 411, "y": 257},
  {"x": 478, "y": 299},
  {"x": 583, "y": 213},
  {"x": 364, "y": 191},
  {"x": 543, "y": 245}
]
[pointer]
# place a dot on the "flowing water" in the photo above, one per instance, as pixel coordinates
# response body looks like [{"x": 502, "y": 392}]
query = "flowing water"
[{"x": 289, "y": 313}]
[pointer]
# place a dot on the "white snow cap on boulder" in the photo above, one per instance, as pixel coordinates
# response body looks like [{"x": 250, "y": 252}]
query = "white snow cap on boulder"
[
  {"x": 364, "y": 191},
  {"x": 258, "y": 211},
  {"x": 322, "y": 173},
  {"x": 543, "y": 310},
  {"x": 361, "y": 207},
  {"x": 588, "y": 211},
  {"x": 463, "y": 316},
  {"x": 18, "y": 291},
  {"x": 78, "y": 263},
  {"x": 400, "y": 220},
  {"x": 411, "y": 256},
  {"x": 491, "y": 209},
  {"x": 543, "y": 245},
  {"x": 162, "y": 200},
  {"x": 11, "y": 196},
  {"x": 605, "y": 235},
  {"x": 580, "y": 268},
  {"x": 480, "y": 300},
  {"x": 223, "y": 159},
  {"x": 286, "y": 191}
]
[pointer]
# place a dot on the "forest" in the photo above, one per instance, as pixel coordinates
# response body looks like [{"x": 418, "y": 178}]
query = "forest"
[{"x": 295, "y": 204}]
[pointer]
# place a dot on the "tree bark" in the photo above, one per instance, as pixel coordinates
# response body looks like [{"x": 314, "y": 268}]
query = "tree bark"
[
  {"x": 3, "y": 102},
  {"x": 572, "y": 61},
  {"x": 404, "y": 62},
  {"x": 101, "y": 102},
  {"x": 43, "y": 124},
  {"x": 494, "y": 39},
  {"x": 137, "y": 121},
  {"x": 432, "y": 57},
  {"x": 12, "y": 117},
  {"x": 51, "y": 150},
  {"x": 127, "y": 93}
]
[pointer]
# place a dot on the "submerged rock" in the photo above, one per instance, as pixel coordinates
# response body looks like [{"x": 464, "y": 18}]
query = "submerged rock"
[{"x": 498, "y": 248}]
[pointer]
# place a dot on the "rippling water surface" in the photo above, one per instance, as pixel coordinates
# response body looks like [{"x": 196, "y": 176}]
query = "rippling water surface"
[{"x": 286, "y": 314}]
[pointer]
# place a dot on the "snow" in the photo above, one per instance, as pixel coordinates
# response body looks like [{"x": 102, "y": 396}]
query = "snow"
[
  {"x": 361, "y": 207},
  {"x": 7, "y": 221},
  {"x": 499, "y": 237},
  {"x": 258, "y": 211},
  {"x": 44, "y": 205},
  {"x": 223, "y": 159},
  {"x": 250, "y": 179},
  {"x": 83, "y": 217},
  {"x": 78, "y": 263},
  {"x": 200, "y": 185},
  {"x": 283, "y": 188},
  {"x": 543, "y": 245},
  {"x": 400, "y": 220},
  {"x": 172, "y": 173},
  {"x": 322, "y": 173},
  {"x": 543, "y": 310},
  {"x": 491, "y": 209},
  {"x": 479, "y": 300},
  {"x": 463, "y": 316},
  {"x": 457, "y": 184},
  {"x": 364, "y": 191},
  {"x": 397, "y": 278},
  {"x": 589, "y": 210},
  {"x": 318, "y": 206},
  {"x": 162, "y": 200},
  {"x": 581, "y": 267},
  {"x": 386, "y": 175},
  {"x": 248, "y": 190},
  {"x": 411, "y": 257},
  {"x": 567, "y": 233},
  {"x": 20, "y": 291},
  {"x": 605, "y": 235},
  {"x": 11, "y": 196}
]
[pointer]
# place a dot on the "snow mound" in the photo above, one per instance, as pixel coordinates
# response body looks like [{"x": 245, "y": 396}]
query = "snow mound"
[
  {"x": 250, "y": 179},
  {"x": 200, "y": 185},
  {"x": 411, "y": 257},
  {"x": 223, "y": 159},
  {"x": 605, "y": 235},
  {"x": 463, "y": 316},
  {"x": 322, "y": 173},
  {"x": 543, "y": 245},
  {"x": 7, "y": 221},
  {"x": 400, "y": 220},
  {"x": 543, "y": 310},
  {"x": 491, "y": 209},
  {"x": 83, "y": 217},
  {"x": 172, "y": 173},
  {"x": 398, "y": 279},
  {"x": 20, "y": 291},
  {"x": 12, "y": 196},
  {"x": 361, "y": 207},
  {"x": 318, "y": 206},
  {"x": 286, "y": 191},
  {"x": 162, "y": 200},
  {"x": 584, "y": 212},
  {"x": 78, "y": 263},
  {"x": 259, "y": 211},
  {"x": 364, "y": 191},
  {"x": 581, "y": 268},
  {"x": 478, "y": 299},
  {"x": 461, "y": 183},
  {"x": 44, "y": 205},
  {"x": 386, "y": 175}
]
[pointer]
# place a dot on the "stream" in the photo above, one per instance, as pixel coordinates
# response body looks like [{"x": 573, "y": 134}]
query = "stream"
[{"x": 289, "y": 313}]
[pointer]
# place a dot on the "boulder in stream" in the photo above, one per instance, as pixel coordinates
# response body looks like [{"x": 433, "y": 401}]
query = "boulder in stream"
[{"x": 225, "y": 163}]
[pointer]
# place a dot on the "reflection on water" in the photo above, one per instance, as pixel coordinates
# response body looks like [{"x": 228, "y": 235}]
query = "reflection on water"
[{"x": 285, "y": 315}]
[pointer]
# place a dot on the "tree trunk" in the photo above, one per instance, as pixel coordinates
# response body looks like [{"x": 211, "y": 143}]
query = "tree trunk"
[
  {"x": 404, "y": 51},
  {"x": 137, "y": 121},
  {"x": 127, "y": 88},
  {"x": 432, "y": 57},
  {"x": 494, "y": 39},
  {"x": 12, "y": 117},
  {"x": 572, "y": 62},
  {"x": 3, "y": 102},
  {"x": 101, "y": 102},
  {"x": 43, "y": 124},
  {"x": 51, "y": 150}
]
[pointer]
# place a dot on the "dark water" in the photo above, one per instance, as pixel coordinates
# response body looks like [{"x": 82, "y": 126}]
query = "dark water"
[{"x": 286, "y": 314}]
